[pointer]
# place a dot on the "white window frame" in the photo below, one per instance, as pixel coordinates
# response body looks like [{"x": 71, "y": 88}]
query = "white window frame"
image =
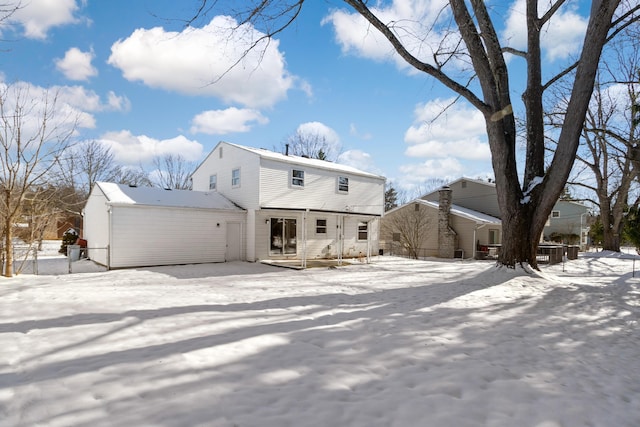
[
  {"x": 363, "y": 227},
  {"x": 320, "y": 228},
  {"x": 297, "y": 178},
  {"x": 235, "y": 181},
  {"x": 342, "y": 185},
  {"x": 213, "y": 182}
]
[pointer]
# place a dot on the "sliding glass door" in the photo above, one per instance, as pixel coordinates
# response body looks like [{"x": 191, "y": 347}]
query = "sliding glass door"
[{"x": 283, "y": 236}]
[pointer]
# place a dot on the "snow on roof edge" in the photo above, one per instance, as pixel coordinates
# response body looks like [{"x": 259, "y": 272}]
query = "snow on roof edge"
[{"x": 121, "y": 194}]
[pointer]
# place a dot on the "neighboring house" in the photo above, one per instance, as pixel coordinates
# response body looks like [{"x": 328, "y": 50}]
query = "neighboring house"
[
  {"x": 449, "y": 230},
  {"x": 296, "y": 207},
  {"x": 141, "y": 226},
  {"x": 568, "y": 223},
  {"x": 477, "y": 195},
  {"x": 567, "y": 217}
]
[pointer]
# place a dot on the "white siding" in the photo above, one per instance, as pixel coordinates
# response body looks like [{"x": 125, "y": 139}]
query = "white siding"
[
  {"x": 472, "y": 194},
  {"x": 319, "y": 246},
  {"x": 320, "y": 191},
  {"x": 246, "y": 195},
  {"x": 145, "y": 236},
  {"x": 96, "y": 226}
]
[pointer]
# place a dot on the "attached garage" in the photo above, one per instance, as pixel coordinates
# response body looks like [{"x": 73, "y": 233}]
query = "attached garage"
[{"x": 141, "y": 226}]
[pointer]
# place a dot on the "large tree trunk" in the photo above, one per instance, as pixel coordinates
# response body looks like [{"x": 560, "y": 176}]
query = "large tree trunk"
[
  {"x": 611, "y": 231},
  {"x": 611, "y": 240}
]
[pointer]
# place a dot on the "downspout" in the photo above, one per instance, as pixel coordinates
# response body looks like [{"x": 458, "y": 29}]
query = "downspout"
[
  {"x": 340, "y": 226},
  {"x": 368, "y": 242},
  {"x": 305, "y": 218},
  {"x": 109, "y": 245}
]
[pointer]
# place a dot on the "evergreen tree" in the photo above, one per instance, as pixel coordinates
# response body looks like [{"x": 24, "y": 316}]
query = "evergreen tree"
[
  {"x": 390, "y": 198},
  {"x": 632, "y": 227}
]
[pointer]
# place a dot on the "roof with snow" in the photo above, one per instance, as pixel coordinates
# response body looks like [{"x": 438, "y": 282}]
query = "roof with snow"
[
  {"x": 120, "y": 194},
  {"x": 469, "y": 214},
  {"x": 303, "y": 161}
]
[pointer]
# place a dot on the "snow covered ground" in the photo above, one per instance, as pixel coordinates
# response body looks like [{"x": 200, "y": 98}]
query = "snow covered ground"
[{"x": 392, "y": 343}]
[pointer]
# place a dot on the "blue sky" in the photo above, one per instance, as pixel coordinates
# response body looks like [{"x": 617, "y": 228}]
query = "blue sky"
[{"x": 142, "y": 82}]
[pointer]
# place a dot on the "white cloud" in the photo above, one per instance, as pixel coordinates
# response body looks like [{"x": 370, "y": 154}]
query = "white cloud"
[
  {"x": 61, "y": 113},
  {"x": 88, "y": 100},
  {"x": 411, "y": 22},
  {"x": 353, "y": 131},
  {"x": 360, "y": 160},
  {"x": 215, "y": 60},
  {"x": 76, "y": 64},
  {"x": 329, "y": 136},
  {"x": 129, "y": 149},
  {"x": 118, "y": 103},
  {"x": 560, "y": 38},
  {"x": 447, "y": 168},
  {"x": 320, "y": 129},
  {"x": 423, "y": 28},
  {"x": 443, "y": 129},
  {"x": 471, "y": 149},
  {"x": 231, "y": 120},
  {"x": 37, "y": 17}
]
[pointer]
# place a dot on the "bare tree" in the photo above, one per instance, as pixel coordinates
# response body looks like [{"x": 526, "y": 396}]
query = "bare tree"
[
  {"x": 525, "y": 202},
  {"x": 611, "y": 137},
  {"x": 32, "y": 135},
  {"x": 129, "y": 175},
  {"x": 172, "y": 171},
  {"x": 409, "y": 226},
  {"x": 313, "y": 145}
]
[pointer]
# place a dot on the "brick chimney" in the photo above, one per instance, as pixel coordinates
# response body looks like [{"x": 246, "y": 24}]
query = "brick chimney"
[{"x": 446, "y": 234}]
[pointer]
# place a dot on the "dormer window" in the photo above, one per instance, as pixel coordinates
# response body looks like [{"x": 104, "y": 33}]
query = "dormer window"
[
  {"x": 297, "y": 178},
  {"x": 343, "y": 184}
]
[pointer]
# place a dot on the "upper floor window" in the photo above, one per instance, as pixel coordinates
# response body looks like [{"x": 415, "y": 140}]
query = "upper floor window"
[
  {"x": 235, "y": 177},
  {"x": 555, "y": 214},
  {"x": 220, "y": 152},
  {"x": 297, "y": 178},
  {"x": 343, "y": 184},
  {"x": 363, "y": 229},
  {"x": 321, "y": 226},
  {"x": 213, "y": 182}
]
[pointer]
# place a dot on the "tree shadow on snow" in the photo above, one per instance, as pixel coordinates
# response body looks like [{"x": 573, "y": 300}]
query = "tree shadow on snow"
[{"x": 444, "y": 353}]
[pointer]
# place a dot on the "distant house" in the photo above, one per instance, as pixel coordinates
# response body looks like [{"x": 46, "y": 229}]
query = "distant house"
[
  {"x": 568, "y": 223},
  {"x": 141, "y": 226},
  {"x": 248, "y": 204},
  {"x": 297, "y": 207},
  {"x": 449, "y": 230},
  {"x": 567, "y": 218},
  {"x": 474, "y": 194}
]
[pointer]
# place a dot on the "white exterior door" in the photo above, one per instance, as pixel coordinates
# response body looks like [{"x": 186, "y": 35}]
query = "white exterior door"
[{"x": 233, "y": 241}]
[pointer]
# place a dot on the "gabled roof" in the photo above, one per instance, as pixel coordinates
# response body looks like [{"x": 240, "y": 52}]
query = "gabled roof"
[
  {"x": 573, "y": 202},
  {"x": 456, "y": 210},
  {"x": 475, "y": 181},
  {"x": 120, "y": 194},
  {"x": 301, "y": 161},
  {"x": 465, "y": 213}
]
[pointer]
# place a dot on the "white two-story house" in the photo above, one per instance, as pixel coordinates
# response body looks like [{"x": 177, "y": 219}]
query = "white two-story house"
[{"x": 296, "y": 207}]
